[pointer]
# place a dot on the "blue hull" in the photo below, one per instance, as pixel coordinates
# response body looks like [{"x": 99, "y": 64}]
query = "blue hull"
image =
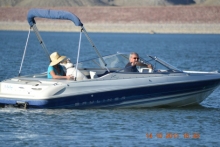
[{"x": 111, "y": 99}]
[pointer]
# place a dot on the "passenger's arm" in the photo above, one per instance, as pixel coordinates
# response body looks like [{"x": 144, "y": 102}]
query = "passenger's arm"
[{"x": 52, "y": 73}]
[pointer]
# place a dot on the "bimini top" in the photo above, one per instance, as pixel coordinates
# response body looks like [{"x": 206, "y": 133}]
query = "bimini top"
[{"x": 52, "y": 14}]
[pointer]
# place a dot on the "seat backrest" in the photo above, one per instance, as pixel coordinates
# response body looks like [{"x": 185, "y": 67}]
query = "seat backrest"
[{"x": 93, "y": 74}]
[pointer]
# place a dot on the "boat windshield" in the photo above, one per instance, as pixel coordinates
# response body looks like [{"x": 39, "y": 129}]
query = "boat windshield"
[{"x": 117, "y": 62}]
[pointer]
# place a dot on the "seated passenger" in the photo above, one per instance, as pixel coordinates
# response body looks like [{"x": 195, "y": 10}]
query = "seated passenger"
[
  {"x": 55, "y": 70},
  {"x": 133, "y": 62}
]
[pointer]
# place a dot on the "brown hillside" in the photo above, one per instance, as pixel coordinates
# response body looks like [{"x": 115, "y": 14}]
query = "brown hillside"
[
  {"x": 91, "y": 3},
  {"x": 163, "y": 19},
  {"x": 134, "y": 15}
]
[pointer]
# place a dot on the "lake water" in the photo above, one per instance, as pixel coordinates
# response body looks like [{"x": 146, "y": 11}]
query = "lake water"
[{"x": 188, "y": 126}]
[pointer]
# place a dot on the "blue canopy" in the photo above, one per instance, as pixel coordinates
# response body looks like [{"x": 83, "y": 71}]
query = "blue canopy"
[{"x": 52, "y": 14}]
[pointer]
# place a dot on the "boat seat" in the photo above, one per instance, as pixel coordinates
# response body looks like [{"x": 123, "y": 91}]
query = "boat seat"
[{"x": 93, "y": 74}]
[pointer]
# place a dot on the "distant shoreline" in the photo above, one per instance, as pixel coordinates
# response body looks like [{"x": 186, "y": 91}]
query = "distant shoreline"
[
  {"x": 118, "y": 28},
  {"x": 172, "y": 19}
]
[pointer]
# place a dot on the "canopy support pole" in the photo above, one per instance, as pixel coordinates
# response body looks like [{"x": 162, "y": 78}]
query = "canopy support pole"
[
  {"x": 41, "y": 40},
  {"x": 24, "y": 52},
  {"x": 94, "y": 47},
  {"x": 77, "y": 60}
]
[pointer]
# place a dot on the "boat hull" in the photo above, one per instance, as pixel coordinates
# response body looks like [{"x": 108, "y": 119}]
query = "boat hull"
[{"x": 173, "y": 94}]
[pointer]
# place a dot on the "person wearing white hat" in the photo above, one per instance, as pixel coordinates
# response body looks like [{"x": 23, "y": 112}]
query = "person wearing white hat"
[{"x": 55, "y": 70}]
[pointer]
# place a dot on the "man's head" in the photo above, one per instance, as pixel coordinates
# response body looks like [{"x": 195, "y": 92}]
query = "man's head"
[{"x": 133, "y": 58}]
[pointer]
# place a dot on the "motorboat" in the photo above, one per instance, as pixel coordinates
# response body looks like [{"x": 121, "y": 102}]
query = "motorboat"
[{"x": 107, "y": 84}]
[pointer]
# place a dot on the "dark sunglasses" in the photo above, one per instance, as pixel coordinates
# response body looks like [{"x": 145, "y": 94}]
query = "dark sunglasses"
[{"x": 136, "y": 58}]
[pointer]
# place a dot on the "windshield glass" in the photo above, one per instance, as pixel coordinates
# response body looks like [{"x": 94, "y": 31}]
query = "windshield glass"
[
  {"x": 112, "y": 61},
  {"x": 119, "y": 61}
]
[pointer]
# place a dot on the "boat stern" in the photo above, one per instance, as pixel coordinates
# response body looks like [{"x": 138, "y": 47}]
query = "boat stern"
[{"x": 28, "y": 92}]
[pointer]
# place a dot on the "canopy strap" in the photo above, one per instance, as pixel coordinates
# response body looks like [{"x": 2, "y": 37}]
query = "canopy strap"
[
  {"x": 77, "y": 61},
  {"x": 41, "y": 40},
  {"x": 24, "y": 52},
  {"x": 93, "y": 45}
]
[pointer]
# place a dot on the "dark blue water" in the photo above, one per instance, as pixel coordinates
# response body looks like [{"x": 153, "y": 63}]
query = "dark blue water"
[{"x": 190, "y": 126}]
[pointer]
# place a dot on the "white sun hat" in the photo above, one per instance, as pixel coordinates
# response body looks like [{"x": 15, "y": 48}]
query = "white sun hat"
[{"x": 56, "y": 58}]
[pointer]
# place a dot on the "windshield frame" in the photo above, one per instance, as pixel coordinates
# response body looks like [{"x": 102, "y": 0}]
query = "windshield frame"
[{"x": 121, "y": 59}]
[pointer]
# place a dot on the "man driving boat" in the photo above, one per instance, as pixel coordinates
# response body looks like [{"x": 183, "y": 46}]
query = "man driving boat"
[{"x": 133, "y": 62}]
